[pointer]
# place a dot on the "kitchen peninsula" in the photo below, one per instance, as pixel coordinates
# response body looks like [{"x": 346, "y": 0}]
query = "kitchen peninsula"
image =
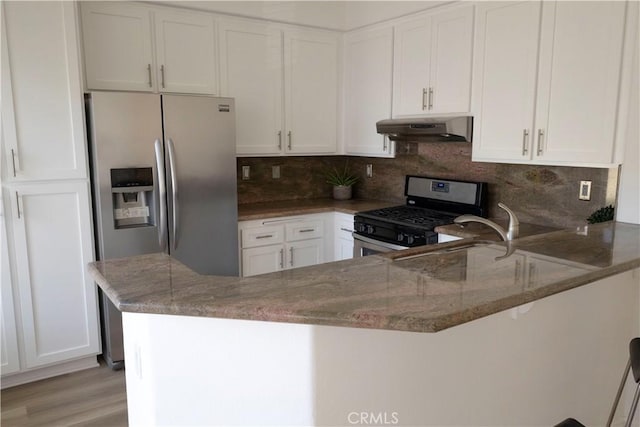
[{"x": 524, "y": 340}]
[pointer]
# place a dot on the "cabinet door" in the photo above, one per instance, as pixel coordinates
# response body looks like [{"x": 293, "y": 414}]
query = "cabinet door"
[
  {"x": 311, "y": 92},
  {"x": 261, "y": 260},
  {"x": 251, "y": 72},
  {"x": 580, "y": 57},
  {"x": 450, "y": 65},
  {"x": 304, "y": 253},
  {"x": 411, "y": 56},
  {"x": 185, "y": 52},
  {"x": 9, "y": 357},
  {"x": 117, "y": 46},
  {"x": 368, "y": 80},
  {"x": 42, "y": 110},
  {"x": 504, "y": 80},
  {"x": 343, "y": 238},
  {"x": 53, "y": 245}
]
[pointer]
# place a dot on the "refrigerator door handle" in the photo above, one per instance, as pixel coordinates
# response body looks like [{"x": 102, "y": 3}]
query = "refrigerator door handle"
[
  {"x": 162, "y": 196},
  {"x": 174, "y": 193}
]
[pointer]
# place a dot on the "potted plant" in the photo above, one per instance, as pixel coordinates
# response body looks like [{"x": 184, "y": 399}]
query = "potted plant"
[{"x": 342, "y": 181}]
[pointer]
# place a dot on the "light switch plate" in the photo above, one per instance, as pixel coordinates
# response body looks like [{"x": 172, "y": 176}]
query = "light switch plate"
[
  {"x": 585, "y": 190},
  {"x": 369, "y": 170},
  {"x": 246, "y": 172},
  {"x": 275, "y": 172}
]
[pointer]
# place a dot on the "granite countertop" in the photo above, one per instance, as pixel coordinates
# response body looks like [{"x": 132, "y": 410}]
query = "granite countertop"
[
  {"x": 433, "y": 290},
  {"x": 307, "y": 206},
  {"x": 476, "y": 230}
]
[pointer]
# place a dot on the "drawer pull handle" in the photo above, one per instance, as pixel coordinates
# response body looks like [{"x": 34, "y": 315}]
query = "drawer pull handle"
[
  {"x": 307, "y": 230},
  {"x": 264, "y": 236},
  {"x": 346, "y": 229}
]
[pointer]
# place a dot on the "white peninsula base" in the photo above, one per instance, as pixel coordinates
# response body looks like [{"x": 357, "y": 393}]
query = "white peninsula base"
[{"x": 563, "y": 357}]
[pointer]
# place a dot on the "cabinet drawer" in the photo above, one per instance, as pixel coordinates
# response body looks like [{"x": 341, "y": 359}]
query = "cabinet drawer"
[
  {"x": 262, "y": 236},
  {"x": 304, "y": 230},
  {"x": 344, "y": 228}
]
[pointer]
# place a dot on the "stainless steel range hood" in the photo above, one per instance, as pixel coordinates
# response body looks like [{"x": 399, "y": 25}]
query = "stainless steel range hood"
[{"x": 428, "y": 129}]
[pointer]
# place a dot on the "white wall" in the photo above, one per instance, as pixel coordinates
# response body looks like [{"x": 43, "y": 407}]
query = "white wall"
[
  {"x": 628, "y": 206},
  {"x": 335, "y": 15}
]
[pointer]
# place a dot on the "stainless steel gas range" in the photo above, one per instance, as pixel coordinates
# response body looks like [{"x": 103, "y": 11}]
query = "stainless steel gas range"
[{"x": 430, "y": 202}]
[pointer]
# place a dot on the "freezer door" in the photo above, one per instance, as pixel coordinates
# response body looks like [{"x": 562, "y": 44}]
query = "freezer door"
[
  {"x": 122, "y": 130},
  {"x": 201, "y": 182}
]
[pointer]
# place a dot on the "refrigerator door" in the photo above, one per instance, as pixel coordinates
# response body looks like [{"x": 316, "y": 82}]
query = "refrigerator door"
[
  {"x": 123, "y": 128},
  {"x": 201, "y": 182}
]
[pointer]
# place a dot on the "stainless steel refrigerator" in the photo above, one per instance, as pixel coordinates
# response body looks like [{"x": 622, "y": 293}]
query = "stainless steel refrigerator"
[{"x": 163, "y": 174}]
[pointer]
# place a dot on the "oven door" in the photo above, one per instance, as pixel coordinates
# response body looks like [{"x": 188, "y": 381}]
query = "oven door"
[{"x": 363, "y": 246}]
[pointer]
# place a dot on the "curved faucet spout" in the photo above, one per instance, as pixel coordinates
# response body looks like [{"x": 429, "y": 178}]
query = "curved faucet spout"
[
  {"x": 472, "y": 218},
  {"x": 512, "y": 230}
]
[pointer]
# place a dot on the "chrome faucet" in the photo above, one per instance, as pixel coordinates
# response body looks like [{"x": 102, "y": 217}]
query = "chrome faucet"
[{"x": 512, "y": 229}]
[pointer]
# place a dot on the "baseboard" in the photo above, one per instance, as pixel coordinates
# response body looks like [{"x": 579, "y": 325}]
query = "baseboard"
[{"x": 48, "y": 372}]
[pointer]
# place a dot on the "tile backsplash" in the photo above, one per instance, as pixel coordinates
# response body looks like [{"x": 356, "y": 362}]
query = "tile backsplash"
[{"x": 544, "y": 195}]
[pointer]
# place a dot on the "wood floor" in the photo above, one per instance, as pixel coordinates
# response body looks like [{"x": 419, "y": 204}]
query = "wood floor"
[{"x": 93, "y": 397}]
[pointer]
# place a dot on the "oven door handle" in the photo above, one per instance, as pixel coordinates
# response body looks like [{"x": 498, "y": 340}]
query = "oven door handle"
[{"x": 378, "y": 242}]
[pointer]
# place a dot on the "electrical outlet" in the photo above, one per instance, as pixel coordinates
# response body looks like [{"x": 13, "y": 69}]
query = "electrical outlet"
[
  {"x": 585, "y": 190},
  {"x": 275, "y": 172},
  {"x": 369, "y": 170},
  {"x": 246, "y": 172}
]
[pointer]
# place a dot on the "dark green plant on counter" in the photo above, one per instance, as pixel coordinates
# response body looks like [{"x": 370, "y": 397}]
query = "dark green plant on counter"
[
  {"x": 601, "y": 215},
  {"x": 343, "y": 177}
]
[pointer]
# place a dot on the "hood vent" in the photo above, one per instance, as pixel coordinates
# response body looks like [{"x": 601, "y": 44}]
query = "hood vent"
[{"x": 428, "y": 129}]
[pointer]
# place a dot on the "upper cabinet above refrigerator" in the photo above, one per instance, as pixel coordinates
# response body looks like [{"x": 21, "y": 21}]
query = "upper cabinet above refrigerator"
[{"x": 118, "y": 39}]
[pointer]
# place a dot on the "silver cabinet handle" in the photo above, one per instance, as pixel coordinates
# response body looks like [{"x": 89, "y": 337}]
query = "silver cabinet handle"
[
  {"x": 346, "y": 229},
  {"x": 281, "y": 258},
  {"x": 289, "y": 136},
  {"x": 279, "y": 140},
  {"x": 13, "y": 161},
  {"x": 540, "y": 139},
  {"x": 264, "y": 236},
  {"x": 384, "y": 143},
  {"x": 162, "y": 75},
  {"x": 162, "y": 196},
  {"x": 307, "y": 230},
  {"x": 525, "y": 142},
  {"x": 174, "y": 193},
  {"x": 149, "y": 73},
  {"x": 424, "y": 98},
  {"x": 18, "y": 204},
  {"x": 518, "y": 271},
  {"x": 430, "y": 98},
  {"x": 291, "y": 256},
  {"x": 532, "y": 272}
]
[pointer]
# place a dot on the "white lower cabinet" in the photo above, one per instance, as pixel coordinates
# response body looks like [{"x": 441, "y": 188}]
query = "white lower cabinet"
[
  {"x": 282, "y": 243},
  {"x": 343, "y": 239},
  {"x": 55, "y": 297},
  {"x": 9, "y": 356}
]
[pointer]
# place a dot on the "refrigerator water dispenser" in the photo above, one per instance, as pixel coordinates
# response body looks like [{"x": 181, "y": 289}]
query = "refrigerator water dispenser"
[{"x": 133, "y": 199}]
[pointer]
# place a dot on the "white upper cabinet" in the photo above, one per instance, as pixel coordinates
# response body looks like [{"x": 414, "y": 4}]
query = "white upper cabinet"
[
  {"x": 432, "y": 63},
  {"x": 504, "y": 85},
  {"x": 311, "y": 91},
  {"x": 117, "y": 46},
  {"x": 368, "y": 69},
  {"x": 118, "y": 39},
  {"x": 251, "y": 72},
  {"x": 285, "y": 83},
  {"x": 42, "y": 105},
  {"x": 546, "y": 82},
  {"x": 185, "y": 52}
]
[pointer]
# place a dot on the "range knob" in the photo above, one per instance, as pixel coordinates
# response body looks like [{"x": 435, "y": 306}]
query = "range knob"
[
  {"x": 400, "y": 237},
  {"x": 370, "y": 229},
  {"x": 409, "y": 239}
]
